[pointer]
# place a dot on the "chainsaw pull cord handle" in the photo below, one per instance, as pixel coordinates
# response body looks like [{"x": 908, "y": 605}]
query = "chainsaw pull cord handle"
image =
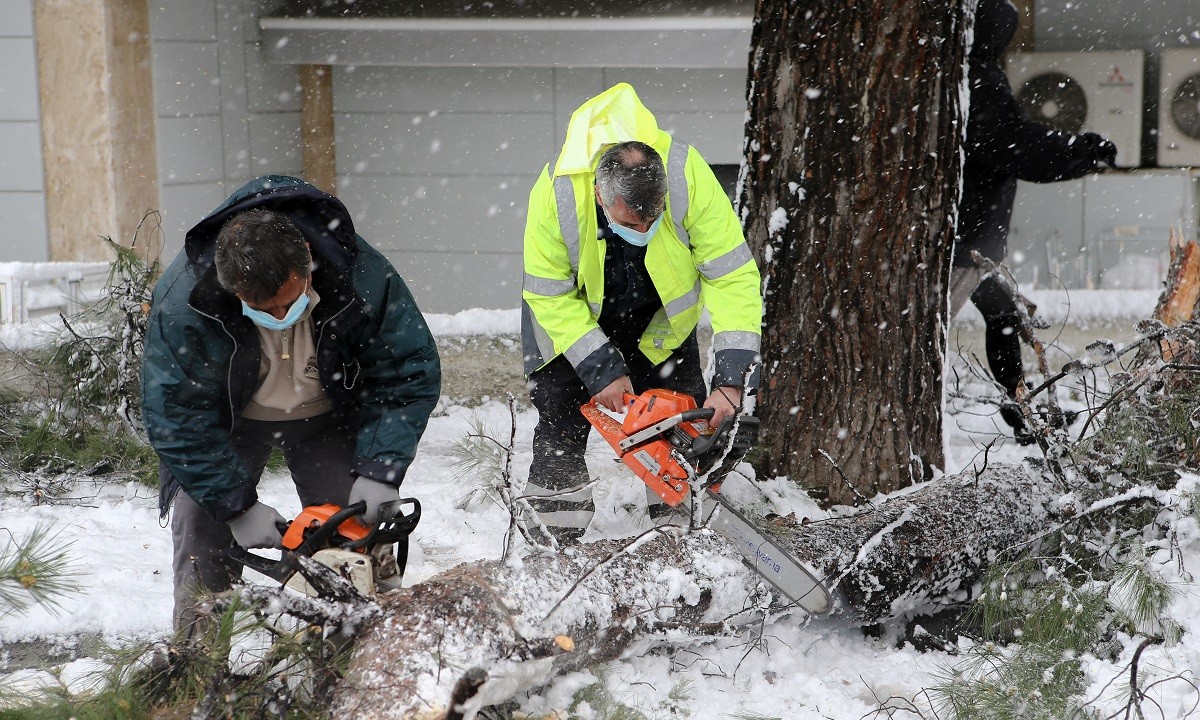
[{"x": 323, "y": 534}]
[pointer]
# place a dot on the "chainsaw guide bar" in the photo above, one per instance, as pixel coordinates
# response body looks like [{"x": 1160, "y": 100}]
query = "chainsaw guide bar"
[{"x": 664, "y": 440}]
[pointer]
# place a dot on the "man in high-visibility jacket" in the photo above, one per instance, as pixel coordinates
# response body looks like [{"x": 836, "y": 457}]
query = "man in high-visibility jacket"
[{"x": 628, "y": 235}]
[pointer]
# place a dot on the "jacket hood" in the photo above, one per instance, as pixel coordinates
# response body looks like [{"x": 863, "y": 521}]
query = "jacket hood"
[
  {"x": 320, "y": 217},
  {"x": 614, "y": 116},
  {"x": 995, "y": 24}
]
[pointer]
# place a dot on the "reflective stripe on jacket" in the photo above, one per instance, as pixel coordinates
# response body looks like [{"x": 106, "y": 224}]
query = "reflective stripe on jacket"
[{"x": 698, "y": 258}]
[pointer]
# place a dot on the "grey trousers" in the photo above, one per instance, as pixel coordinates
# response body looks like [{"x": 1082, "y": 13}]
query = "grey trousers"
[
  {"x": 319, "y": 453},
  {"x": 963, "y": 281}
]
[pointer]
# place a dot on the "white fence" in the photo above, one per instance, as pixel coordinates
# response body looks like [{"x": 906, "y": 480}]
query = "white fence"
[{"x": 34, "y": 291}]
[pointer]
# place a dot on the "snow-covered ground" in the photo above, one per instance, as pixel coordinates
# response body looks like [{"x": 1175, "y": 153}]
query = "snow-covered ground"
[{"x": 798, "y": 669}]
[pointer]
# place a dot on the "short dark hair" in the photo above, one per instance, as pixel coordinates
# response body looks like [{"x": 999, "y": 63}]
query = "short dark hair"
[
  {"x": 257, "y": 251},
  {"x": 634, "y": 172}
]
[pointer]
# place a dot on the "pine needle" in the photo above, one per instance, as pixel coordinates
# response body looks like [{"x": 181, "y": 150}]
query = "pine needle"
[{"x": 35, "y": 570}]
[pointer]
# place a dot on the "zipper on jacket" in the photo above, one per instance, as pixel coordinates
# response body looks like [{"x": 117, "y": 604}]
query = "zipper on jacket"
[
  {"x": 321, "y": 337},
  {"x": 229, "y": 369}
]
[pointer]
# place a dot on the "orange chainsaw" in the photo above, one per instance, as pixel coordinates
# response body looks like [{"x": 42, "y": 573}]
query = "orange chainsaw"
[
  {"x": 667, "y": 442},
  {"x": 335, "y": 537}
]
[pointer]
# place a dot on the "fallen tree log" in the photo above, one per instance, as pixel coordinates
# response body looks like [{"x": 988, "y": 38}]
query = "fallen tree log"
[
  {"x": 477, "y": 635},
  {"x": 918, "y": 552}
]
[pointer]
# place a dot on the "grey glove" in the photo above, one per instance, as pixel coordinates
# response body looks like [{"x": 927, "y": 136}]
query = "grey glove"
[
  {"x": 373, "y": 493},
  {"x": 256, "y": 528}
]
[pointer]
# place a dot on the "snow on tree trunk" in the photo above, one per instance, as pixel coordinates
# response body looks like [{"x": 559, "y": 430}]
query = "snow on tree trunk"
[
  {"x": 852, "y": 177},
  {"x": 922, "y": 551},
  {"x": 478, "y": 634}
]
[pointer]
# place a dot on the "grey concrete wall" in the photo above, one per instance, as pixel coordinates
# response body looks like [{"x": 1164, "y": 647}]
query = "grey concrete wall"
[
  {"x": 1116, "y": 24},
  {"x": 1106, "y": 230},
  {"x": 22, "y": 179},
  {"x": 436, "y": 164},
  {"x": 224, "y": 116}
]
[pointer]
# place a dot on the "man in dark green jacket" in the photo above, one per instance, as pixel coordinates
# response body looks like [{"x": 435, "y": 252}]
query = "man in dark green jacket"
[{"x": 278, "y": 326}]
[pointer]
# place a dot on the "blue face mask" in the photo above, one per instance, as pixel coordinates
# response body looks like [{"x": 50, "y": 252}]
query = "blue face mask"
[
  {"x": 270, "y": 322},
  {"x": 631, "y": 236}
]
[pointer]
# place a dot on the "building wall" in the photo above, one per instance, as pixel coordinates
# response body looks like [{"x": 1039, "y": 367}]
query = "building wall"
[
  {"x": 1116, "y": 25},
  {"x": 436, "y": 164},
  {"x": 224, "y": 115},
  {"x": 22, "y": 185}
]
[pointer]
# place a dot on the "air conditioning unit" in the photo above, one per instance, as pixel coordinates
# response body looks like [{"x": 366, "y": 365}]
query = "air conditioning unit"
[
  {"x": 1179, "y": 109},
  {"x": 1098, "y": 92}
]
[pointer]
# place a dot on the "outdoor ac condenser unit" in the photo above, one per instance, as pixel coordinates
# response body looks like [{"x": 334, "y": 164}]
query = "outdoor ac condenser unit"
[
  {"x": 1179, "y": 109},
  {"x": 1098, "y": 92}
]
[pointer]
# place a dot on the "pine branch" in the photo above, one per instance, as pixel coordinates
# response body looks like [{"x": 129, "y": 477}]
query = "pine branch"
[{"x": 35, "y": 570}]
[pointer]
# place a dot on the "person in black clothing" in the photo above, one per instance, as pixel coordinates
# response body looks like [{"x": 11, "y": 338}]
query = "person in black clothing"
[{"x": 1002, "y": 146}]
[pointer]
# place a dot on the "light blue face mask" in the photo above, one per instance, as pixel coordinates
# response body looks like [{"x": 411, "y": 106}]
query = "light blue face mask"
[
  {"x": 270, "y": 322},
  {"x": 631, "y": 236}
]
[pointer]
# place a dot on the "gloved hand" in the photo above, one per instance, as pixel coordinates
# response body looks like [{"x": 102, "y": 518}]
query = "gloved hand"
[
  {"x": 374, "y": 493},
  {"x": 256, "y": 528},
  {"x": 1106, "y": 150}
]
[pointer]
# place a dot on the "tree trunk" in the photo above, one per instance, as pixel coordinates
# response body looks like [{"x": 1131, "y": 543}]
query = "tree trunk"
[
  {"x": 478, "y": 634},
  {"x": 853, "y": 163}
]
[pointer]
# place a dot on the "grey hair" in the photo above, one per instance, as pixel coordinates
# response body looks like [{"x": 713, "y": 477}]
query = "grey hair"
[
  {"x": 634, "y": 172},
  {"x": 257, "y": 251}
]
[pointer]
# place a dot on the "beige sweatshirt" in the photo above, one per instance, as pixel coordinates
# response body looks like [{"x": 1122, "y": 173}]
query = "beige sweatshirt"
[{"x": 290, "y": 384}]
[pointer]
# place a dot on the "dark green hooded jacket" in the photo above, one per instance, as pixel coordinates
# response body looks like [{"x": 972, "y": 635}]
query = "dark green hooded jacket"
[{"x": 378, "y": 363}]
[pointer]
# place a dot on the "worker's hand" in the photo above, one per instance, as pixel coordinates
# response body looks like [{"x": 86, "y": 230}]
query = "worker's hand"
[
  {"x": 1106, "y": 150},
  {"x": 374, "y": 493},
  {"x": 724, "y": 401},
  {"x": 258, "y": 527},
  {"x": 612, "y": 397}
]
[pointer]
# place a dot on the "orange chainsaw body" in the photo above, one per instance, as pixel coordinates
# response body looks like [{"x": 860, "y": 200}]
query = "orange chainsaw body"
[
  {"x": 313, "y": 517},
  {"x": 654, "y": 461}
]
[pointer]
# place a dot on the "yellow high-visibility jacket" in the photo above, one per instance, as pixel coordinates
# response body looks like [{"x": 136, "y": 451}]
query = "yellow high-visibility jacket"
[{"x": 698, "y": 255}]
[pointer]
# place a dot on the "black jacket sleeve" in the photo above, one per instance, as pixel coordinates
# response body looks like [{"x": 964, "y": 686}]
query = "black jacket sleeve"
[{"x": 1001, "y": 137}]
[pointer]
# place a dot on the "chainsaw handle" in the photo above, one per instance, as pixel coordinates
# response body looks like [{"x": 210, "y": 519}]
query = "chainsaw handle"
[
  {"x": 398, "y": 519},
  {"x": 703, "y": 413}
]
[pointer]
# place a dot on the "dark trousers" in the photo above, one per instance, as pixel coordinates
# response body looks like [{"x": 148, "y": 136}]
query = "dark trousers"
[
  {"x": 560, "y": 438},
  {"x": 319, "y": 452},
  {"x": 1002, "y": 324}
]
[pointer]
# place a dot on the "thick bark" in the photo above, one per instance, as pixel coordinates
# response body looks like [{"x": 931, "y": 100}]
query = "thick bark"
[
  {"x": 852, "y": 160},
  {"x": 922, "y": 551}
]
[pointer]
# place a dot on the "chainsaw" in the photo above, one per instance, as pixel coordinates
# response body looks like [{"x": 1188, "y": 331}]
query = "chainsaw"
[
  {"x": 666, "y": 440},
  {"x": 335, "y": 537}
]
